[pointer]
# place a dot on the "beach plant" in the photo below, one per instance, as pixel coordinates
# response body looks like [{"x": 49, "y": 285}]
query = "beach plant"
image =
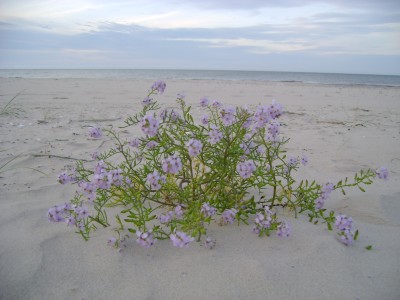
[
  {"x": 229, "y": 166},
  {"x": 10, "y": 109}
]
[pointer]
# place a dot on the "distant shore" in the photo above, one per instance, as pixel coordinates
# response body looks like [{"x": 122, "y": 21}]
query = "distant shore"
[{"x": 232, "y": 75}]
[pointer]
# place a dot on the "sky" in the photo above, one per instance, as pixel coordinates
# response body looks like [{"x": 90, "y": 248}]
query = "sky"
[{"x": 337, "y": 36}]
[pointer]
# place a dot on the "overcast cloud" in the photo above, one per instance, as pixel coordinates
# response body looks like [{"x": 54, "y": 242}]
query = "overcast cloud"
[{"x": 292, "y": 35}]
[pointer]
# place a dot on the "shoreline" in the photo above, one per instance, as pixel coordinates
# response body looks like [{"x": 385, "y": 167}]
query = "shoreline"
[{"x": 230, "y": 75}]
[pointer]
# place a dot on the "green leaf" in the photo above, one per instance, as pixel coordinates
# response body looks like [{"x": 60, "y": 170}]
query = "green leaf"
[
  {"x": 329, "y": 226},
  {"x": 369, "y": 247},
  {"x": 356, "y": 235}
]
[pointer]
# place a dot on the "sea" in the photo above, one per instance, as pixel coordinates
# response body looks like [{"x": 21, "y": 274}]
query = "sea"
[{"x": 266, "y": 76}]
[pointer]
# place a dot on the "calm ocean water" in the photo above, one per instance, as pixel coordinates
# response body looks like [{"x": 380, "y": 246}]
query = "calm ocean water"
[{"x": 324, "y": 78}]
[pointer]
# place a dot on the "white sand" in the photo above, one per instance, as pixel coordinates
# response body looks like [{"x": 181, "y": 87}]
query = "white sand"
[{"x": 341, "y": 128}]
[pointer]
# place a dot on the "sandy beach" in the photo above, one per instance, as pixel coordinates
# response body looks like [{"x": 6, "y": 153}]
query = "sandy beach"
[{"x": 341, "y": 128}]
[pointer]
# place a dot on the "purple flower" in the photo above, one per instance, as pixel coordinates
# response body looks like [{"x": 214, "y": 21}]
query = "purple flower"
[
  {"x": 81, "y": 212},
  {"x": 320, "y": 201},
  {"x": 70, "y": 220},
  {"x": 147, "y": 101},
  {"x": 134, "y": 143},
  {"x": 263, "y": 220},
  {"x": 205, "y": 120},
  {"x": 209, "y": 243},
  {"x": 102, "y": 180},
  {"x": 327, "y": 188},
  {"x": 100, "y": 167},
  {"x": 95, "y": 132},
  {"x": 163, "y": 114},
  {"x": 95, "y": 155},
  {"x": 248, "y": 146},
  {"x": 216, "y": 103},
  {"x": 145, "y": 239},
  {"x": 165, "y": 218},
  {"x": 264, "y": 114},
  {"x": 178, "y": 212},
  {"x": 382, "y": 173},
  {"x": 115, "y": 177},
  {"x": 273, "y": 128},
  {"x": 151, "y": 145},
  {"x": 292, "y": 161},
  {"x": 207, "y": 210},
  {"x": 261, "y": 149},
  {"x": 346, "y": 237},
  {"x": 275, "y": 110},
  {"x": 256, "y": 229},
  {"x": 172, "y": 164},
  {"x": 283, "y": 229},
  {"x": 304, "y": 160},
  {"x": 180, "y": 96},
  {"x": 345, "y": 225},
  {"x": 89, "y": 190},
  {"x": 228, "y": 216},
  {"x": 180, "y": 239},
  {"x": 246, "y": 169},
  {"x": 273, "y": 131},
  {"x": 159, "y": 86},
  {"x": 215, "y": 135},
  {"x": 343, "y": 222},
  {"x": 64, "y": 178},
  {"x": 154, "y": 179},
  {"x": 174, "y": 115},
  {"x": 204, "y": 102},
  {"x": 227, "y": 115},
  {"x": 112, "y": 241},
  {"x": 53, "y": 215},
  {"x": 150, "y": 125},
  {"x": 261, "y": 117},
  {"x": 194, "y": 147}
]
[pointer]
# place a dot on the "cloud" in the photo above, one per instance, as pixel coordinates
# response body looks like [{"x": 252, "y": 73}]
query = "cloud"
[{"x": 196, "y": 34}]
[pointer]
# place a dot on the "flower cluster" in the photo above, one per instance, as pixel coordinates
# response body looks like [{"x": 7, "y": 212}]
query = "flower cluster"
[
  {"x": 273, "y": 131},
  {"x": 263, "y": 221},
  {"x": 103, "y": 179},
  {"x": 155, "y": 180},
  {"x": 265, "y": 114},
  {"x": 66, "y": 177},
  {"x": 345, "y": 226},
  {"x": 204, "y": 102},
  {"x": 145, "y": 239},
  {"x": 227, "y": 115},
  {"x": 150, "y": 125},
  {"x": 229, "y": 215},
  {"x": 215, "y": 135},
  {"x": 180, "y": 239},
  {"x": 326, "y": 190},
  {"x": 159, "y": 86},
  {"x": 72, "y": 215},
  {"x": 246, "y": 169},
  {"x": 178, "y": 177},
  {"x": 194, "y": 147},
  {"x": 95, "y": 132},
  {"x": 382, "y": 173},
  {"x": 172, "y": 164},
  {"x": 283, "y": 229},
  {"x": 207, "y": 210}
]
